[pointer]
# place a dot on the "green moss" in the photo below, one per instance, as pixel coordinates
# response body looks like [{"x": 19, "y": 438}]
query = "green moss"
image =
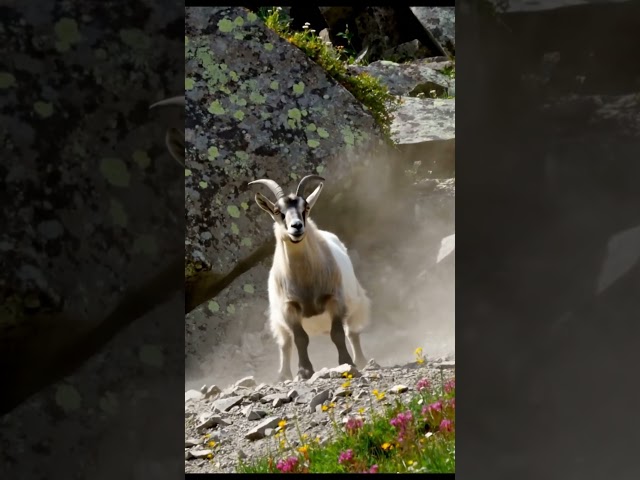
[{"x": 367, "y": 89}]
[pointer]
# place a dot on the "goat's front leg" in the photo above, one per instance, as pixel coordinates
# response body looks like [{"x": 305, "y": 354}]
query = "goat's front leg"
[
  {"x": 293, "y": 317},
  {"x": 337, "y": 310}
]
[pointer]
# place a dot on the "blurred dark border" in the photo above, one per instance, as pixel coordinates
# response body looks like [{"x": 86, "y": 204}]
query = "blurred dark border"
[
  {"x": 547, "y": 164},
  {"x": 92, "y": 241}
]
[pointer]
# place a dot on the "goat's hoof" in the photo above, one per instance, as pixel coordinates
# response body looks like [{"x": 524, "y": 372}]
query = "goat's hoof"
[
  {"x": 283, "y": 377},
  {"x": 305, "y": 373}
]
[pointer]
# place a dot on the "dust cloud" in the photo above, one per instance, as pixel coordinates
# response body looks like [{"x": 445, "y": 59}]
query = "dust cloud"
[{"x": 393, "y": 233}]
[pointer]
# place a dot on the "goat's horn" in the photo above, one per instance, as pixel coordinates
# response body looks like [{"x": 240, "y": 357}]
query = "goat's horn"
[
  {"x": 169, "y": 101},
  {"x": 273, "y": 186},
  {"x": 303, "y": 183}
]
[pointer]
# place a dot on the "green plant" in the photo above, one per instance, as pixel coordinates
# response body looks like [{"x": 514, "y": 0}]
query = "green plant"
[
  {"x": 367, "y": 89},
  {"x": 350, "y": 51}
]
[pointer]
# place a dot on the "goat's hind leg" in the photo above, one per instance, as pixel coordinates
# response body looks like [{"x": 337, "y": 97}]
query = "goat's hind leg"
[
  {"x": 337, "y": 311},
  {"x": 356, "y": 348}
]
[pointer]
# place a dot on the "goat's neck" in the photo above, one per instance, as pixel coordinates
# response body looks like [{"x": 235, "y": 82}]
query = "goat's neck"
[{"x": 303, "y": 252}]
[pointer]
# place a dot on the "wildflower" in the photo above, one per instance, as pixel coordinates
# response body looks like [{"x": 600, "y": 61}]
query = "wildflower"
[
  {"x": 410, "y": 462},
  {"x": 305, "y": 436},
  {"x": 378, "y": 395},
  {"x": 288, "y": 465},
  {"x": 283, "y": 444},
  {"x": 422, "y": 384},
  {"x": 345, "y": 456},
  {"x": 386, "y": 446},
  {"x": 432, "y": 407},
  {"x": 324, "y": 408},
  {"x": 446, "y": 425},
  {"x": 212, "y": 444},
  {"x": 419, "y": 355},
  {"x": 346, "y": 384},
  {"x": 282, "y": 423},
  {"x": 210, "y": 456},
  {"x": 331, "y": 405},
  {"x": 207, "y": 435},
  {"x": 344, "y": 374},
  {"x": 402, "y": 419},
  {"x": 317, "y": 439},
  {"x": 361, "y": 411},
  {"x": 450, "y": 386},
  {"x": 373, "y": 469},
  {"x": 418, "y": 351},
  {"x": 354, "y": 424},
  {"x": 303, "y": 449}
]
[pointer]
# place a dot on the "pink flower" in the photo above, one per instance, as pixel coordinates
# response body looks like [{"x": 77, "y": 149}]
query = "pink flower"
[
  {"x": 354, "y": 424},
  {"x": 346, "y": 456},
  {"x": 402, "y": 419},
  {"x": 288, "y": 465},
  {"x": 446, "y": 425},
  {"x": 373, "y": 469},
  {"x": 422, "y": 384},
  {"x": 452, "y": 403},
  {"x": 450, "y": 386},
  {"x": 433, "y": 407}
]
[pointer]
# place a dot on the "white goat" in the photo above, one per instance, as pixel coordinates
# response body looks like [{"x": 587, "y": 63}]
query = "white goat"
[
  {"x": 174, "y": 138},
  {"x": 312, "y": 286}
]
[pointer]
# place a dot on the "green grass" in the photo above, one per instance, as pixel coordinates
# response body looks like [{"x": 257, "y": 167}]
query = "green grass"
[
  {"x": 425, "y": 444},
  {"x": 367, "y": 89}
]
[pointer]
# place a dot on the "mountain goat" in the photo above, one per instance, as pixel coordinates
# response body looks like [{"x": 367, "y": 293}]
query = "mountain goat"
[{"x": 312, "y": 286}]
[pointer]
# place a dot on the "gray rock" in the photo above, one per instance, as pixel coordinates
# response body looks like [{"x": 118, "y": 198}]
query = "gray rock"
[
  {"x": 447, "y": 247},
  {"x": 269, "y": 431},
  {"x": 323, "y": 373},
  {"x": 224, "y": 404},
  {"x": 191, "y": 442},
  {"x": 440, "y": 24},
  {"x": 424, "y": 120},
  {"x": 192, "y": 395},
  {"x": 342, "y": 392},
  {"x": 293, "y": 394},
  {"x": 407, "y": 79},
  {"x": 344, "y": 370},
  {"x": 398, "y": 389},
  {"x": 203, "y": 389},
  {"x": 199, "y": 453},
  {"x": 319, "y": 399},
  {"x": 258, "y": 432},
  {"x": 372, "y": 365},
  {"x": 208, "y": 420},
  {"x": 246, "y": 382},
  {"x": 407, "y": 51},
  {"x": 211, "y": 391},
  {"x": 281, "y": 397},
  {"x": 451, "y": 365}
]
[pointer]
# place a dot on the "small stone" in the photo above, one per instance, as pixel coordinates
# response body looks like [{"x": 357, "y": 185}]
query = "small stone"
[
  {"x": 224, "y": 404},
  {"x": 342, "y": 392},
  {"x": 255, "y": 415},
  {"x": 192, "y": 395},
  {"x": 274, "y": 397},
  {"x": 246, "y": 382},
  {"x": 447, "y": 365},
  {"x": 200, "y": 453},
  {"x": 372, "y": 365},
  {"x": 399, "y": 389},
  {"x": 324, "y": 373},
  {"x": 207, "y": 420},
  {"x": 211, "y": 391},
  {"x": 241, "y": 454},
  {"x": 258, "y": 432},
  {"x": 191, "y": 442},
  {"x": 344, "y": 370},
  {"x": 292, "y": 394},
  {"x": 260, "y": 387},
  {"x": 203, "y": 389},
  {"x": 345, "y": 411},
  {"x": 319, "y": 399},
  {"x": 255, "y": 396}
]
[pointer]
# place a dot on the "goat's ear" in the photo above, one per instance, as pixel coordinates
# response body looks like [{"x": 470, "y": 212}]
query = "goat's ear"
[
  {"x": 311, "y": 199},
  {"x": 265, "y": 204},
  {"x": 174, "y": 139}
]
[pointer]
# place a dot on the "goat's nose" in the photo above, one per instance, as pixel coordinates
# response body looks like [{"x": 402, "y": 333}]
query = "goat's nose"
[{"x": 297, "y": 224}]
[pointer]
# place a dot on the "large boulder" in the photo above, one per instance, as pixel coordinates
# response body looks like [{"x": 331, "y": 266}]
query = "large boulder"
[
  {"x": 409, "y": 79},
  {"x": 440, "y": 24},
  {"x": 256, "y": 106},
  {"x": 424, "y": 130}
]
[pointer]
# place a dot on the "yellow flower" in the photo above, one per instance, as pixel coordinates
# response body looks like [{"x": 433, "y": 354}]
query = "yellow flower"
[
  {"x": 207, "y": 435},
  {"x": 420, "y": 360},
  {"x": 305, "y": 436},
  {"x": 346, "y": 384},
  {"x": 212, "y": 444},
  {"x": 282, "y": 423},
  {"x": 361, "y": 410},
  {"x": 282, "y": 444},
  {"x": 210, "y": 456},
  {"x": 303, "y": 449},
  {"x": 410, "y": 462},
  {"x": 349, "y": 376},
  {"x": 331, "y": 405},
  {"x": 317, "y": 439},
  {"x": 418, "y": 351},
  {"x": 324, "y": 408},
  {"x": 387, "y": 446},
  {"x": 344, "y": 374}
]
